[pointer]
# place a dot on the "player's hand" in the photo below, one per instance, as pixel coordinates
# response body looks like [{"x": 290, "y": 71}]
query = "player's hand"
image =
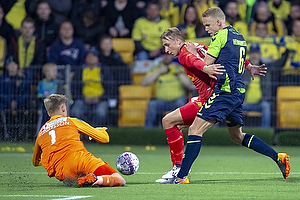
[
  {"x": 256, "y": 70},
  {"x": 190, "y": 46},
  {"x": 213, "y": 70},
  {"x": 105, "y": 128},
  {"x": 163, "y": 69}
]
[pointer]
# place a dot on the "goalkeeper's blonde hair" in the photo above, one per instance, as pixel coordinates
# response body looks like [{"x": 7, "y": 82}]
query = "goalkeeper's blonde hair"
[{"x": 54, "y": 101}]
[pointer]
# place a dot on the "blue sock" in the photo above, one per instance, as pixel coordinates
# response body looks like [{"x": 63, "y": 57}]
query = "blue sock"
[
  {"x": 192, "y": 150},
  {"x": 259, "y": 146}
]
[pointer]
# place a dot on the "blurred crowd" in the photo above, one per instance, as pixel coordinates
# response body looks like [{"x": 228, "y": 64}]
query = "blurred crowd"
[{"x": 39, "y": 36}]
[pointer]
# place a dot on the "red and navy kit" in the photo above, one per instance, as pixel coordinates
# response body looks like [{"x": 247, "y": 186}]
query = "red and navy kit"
[{"x": 193, "y": 67}]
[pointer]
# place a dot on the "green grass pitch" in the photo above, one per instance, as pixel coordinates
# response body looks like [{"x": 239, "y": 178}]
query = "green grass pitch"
[{"x": 230, "y": 172}]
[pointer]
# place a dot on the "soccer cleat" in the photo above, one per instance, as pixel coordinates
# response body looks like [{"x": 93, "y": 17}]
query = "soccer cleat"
[
  {"x": 173, "y": 172},
  {"x": 176, "y": 180},
  {"x": 283, "y": 164},
  {"x": 88, "y": 180}
]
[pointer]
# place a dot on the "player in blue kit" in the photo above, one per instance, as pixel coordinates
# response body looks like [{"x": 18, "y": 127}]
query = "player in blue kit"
[{"x": 227, "y": 48}]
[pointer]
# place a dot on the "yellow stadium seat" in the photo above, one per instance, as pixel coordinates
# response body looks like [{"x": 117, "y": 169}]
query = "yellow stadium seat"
[
  {"x": 137, "y": 78},
  {"x": 125, "y": 47},
  {"x": 288, "y": 109},
  {"x": 133, "y": 105}
]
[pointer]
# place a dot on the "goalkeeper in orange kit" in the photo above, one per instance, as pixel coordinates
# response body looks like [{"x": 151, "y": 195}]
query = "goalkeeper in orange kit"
[{"x": 59, "y": 149}]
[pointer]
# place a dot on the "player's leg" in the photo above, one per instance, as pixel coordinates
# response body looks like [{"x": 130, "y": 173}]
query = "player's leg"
[
  {"x": 173, "y": 123},
  {"x": 96, "y": 171},
  {"x": 108, "y": 177},
  {"x": 256, "y": 144},
  {"x": 104, "y": 176},
  {"x": 196, "y": 131},
  {"x": 213, "y": 110}
]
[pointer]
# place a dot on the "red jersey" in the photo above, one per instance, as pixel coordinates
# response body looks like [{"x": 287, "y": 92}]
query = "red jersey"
[{"x": 193, "y": 67}]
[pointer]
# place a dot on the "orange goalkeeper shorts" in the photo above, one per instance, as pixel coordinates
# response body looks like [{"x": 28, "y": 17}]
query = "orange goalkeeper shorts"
[{"x": 80, "y": 163}]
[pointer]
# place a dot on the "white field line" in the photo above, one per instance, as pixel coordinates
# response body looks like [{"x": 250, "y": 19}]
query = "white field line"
[
  {"x": 222, "y": 173},
  {"x": 56, "y": 197},
  {"x": 154, "y": 173}
]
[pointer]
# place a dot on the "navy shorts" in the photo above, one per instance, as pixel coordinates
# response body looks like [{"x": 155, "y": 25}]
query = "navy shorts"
[{"x": 224, "y": 105}]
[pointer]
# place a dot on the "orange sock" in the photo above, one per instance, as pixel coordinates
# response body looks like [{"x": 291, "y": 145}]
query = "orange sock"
[{"x": 109, "y": 181}]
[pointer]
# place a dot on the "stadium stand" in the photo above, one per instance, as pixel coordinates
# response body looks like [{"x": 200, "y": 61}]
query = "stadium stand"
[
  {"x": 133, "y": 104},
  {"x": 288, "y": 110},
  {"x": 125, "y": 47}
]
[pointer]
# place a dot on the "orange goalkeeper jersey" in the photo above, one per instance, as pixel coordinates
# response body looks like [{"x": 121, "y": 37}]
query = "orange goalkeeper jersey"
[{"x": 60, "y": 137}]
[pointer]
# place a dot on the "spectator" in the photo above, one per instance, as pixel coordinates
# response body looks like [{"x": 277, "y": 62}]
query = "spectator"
[
  {"x": 109, "y": 57},
  {"x": 91, "y": 90},
  {"x": 45, "y": 26},
  {"x": 14, "y": 96},
  {"x": 200, "y": 5},
  {"x": 254, "y": 100},
  {"x": 170, "y": 84},
  {"x": 60, "y": 9},
  {"x": 280, "y": 8},
  {"x": 49, "y": 85},
  {"x": 121, "y": 73},
  {"x": 66, "y": 50},
  {"x": 146, "y": 33},
  {"x": 233, "y": 18},
  {"x": 16, "y": 11},
  {"x": 192, "y": 28},
  {"x": 294, "y": 14},
  {"x": 81, "y": 6},
  {"x": 28, "y": 51},
  {"x": 264, "y": 15},
  {"x": 88, "y": 28},
  {"x": 291, "y": 69},
  {"x": 119, "y": 18},
  {"x": 6, "y": 30},
  {"x": 269, "y": 48},
  {"x": 244, "y": 9},
  {"x": 169, "y": 11}
]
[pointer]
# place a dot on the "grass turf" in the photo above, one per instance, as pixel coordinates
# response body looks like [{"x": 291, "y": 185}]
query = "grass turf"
[{"x": 229, "y": 172}]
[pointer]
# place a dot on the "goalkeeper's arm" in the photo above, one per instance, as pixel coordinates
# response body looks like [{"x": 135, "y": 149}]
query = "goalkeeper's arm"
[
  {"x": 98, "y": 134},
  {"x": 36, "y": 157}
]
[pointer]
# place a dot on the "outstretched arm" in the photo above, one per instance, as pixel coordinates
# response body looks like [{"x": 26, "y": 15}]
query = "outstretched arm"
[{"x": 98, "y": 134}]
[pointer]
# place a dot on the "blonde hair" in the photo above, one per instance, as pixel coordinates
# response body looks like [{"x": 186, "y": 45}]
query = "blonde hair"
[
  {"x": 48, "y": 66},
  {"x": 214, "y": 12},
  {"x": 171, "y": 34},
  {"x": 54, "y": 101}
]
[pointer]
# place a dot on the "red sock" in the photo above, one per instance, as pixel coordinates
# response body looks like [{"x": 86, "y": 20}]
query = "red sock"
[{"x": 176, "y": 144}]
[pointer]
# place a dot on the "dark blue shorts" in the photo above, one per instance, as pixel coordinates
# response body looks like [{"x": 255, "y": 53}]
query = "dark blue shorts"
[{"x": 224, "y": 105}]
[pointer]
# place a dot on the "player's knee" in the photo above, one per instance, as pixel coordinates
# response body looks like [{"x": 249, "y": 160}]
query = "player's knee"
[
  {"x": 166, "y": 120},
  {"x": 193, "y": 130}
]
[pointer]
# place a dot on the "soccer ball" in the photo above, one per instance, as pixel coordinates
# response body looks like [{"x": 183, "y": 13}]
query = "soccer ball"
[{"x": 127, "y": 163}]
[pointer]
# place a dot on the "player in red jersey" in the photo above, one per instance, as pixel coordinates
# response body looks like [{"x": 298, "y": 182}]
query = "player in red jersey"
[{"x": 204, "y": 79}]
